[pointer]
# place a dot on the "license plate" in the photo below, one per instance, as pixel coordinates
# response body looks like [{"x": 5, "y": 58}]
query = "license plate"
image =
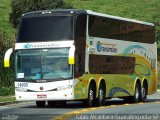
[{"x": 42, "y": 96}]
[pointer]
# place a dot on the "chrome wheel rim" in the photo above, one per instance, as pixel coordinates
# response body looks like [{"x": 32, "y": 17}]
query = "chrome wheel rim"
[
  {"x": 137, "y": 93},
  {"x": 91, "y": 94},
  {"x": 100, "y": 94},
  {"x": 143, "y": 92}
]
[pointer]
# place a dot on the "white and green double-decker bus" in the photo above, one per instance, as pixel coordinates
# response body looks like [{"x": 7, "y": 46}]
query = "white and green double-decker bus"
[{"x": 63, "y": 55}]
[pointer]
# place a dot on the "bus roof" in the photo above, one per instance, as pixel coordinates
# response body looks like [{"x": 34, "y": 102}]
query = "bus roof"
[
  {"x": 118, "y": 18},
  {"x": 75, "y": 11},
  {"x": 55, "y": 11}
]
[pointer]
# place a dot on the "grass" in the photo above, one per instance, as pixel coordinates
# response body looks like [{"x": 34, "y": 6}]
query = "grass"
[
  {"x": 6, "y": 29},
  {"x": 144, "y": 10},
  {"x": 7, "y": 99}
]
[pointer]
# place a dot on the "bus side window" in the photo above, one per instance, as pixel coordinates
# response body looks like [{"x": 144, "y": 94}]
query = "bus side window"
[
  {"x": 80, "y": 43},
  {"x": 78, "y": 63}
]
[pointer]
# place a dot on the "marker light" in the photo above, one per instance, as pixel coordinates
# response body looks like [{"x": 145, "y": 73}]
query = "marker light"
[
  {"x": 7, "y": 57},
  {"x": 71, "y": 59}
]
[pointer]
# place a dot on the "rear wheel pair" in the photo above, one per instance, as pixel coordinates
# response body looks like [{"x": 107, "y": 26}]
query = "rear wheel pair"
[
  {"x": 92, "y": 101},
  {"x": 140, "y": 95}
]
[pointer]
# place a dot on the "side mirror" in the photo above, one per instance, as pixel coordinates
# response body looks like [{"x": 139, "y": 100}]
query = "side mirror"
[
  {"x": 7, "y": 57},
  {"x": 71, "y": 58}
]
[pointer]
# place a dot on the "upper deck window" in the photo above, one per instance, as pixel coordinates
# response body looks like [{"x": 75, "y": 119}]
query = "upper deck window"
[
  {"x": 46, "y": 28},
  {"x": 105, "y": 27}
]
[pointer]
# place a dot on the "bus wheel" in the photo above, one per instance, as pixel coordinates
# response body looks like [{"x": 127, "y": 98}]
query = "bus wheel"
[
  {"x": 40, "y": 103},
  {"x": 51, "y": 103},
  {"x": 91, "y": 97},
  {"x": 54, "y": 103},
  {"x": 143, "y": 95},
  {"x": 136, "y": 97},
  {"x": 61, "y": 103},
  {"x": 101, "y": 96}
]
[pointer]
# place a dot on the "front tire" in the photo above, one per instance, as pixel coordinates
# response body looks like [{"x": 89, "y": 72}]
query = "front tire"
[
  {"x": 40, "y": 103},
  {"x": 51, "y": 103},
  {"x": 54, "y": 103}
]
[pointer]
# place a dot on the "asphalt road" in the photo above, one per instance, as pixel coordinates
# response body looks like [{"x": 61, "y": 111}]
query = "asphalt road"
[{"x": 114, "y": 109}]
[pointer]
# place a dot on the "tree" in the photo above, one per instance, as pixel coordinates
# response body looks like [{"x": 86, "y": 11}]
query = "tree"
[{"x": 22, "y": 6}]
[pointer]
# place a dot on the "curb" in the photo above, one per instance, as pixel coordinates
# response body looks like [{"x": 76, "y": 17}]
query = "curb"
[{"x": 8, "y": 103}]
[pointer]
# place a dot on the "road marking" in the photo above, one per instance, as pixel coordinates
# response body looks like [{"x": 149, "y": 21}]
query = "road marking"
[
  {"x": 76, "y": 112},
  {"x": 93, "y": 108},
  {"x": 113, "y": 105},
  {"x": 69, "y": 115},
  {"x": 141, "y": 103},
  {"x": 102, "y": 107},
  {"x": 85, "y": 110},
  {"x": 126, "y": 104},
  {"x": 157, "y": 102}
]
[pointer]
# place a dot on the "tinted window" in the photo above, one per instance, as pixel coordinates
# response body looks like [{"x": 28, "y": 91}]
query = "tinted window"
[
  {"x": 80, "y": 43},
  {"x": 46, "y": 28},
  {"x": 103, "y": 64},
  {"x": 120, "y": 30}
]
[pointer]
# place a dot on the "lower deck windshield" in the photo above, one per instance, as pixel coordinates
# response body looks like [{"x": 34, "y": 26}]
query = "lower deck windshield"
[{"x": 43, "y": 64}]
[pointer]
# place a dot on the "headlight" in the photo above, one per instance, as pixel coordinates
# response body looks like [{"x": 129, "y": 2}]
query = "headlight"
[{"x": 21, "y": 89}]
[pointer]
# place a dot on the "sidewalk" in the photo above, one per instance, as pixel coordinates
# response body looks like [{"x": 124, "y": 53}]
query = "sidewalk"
[{"x": 6, "y": 100}]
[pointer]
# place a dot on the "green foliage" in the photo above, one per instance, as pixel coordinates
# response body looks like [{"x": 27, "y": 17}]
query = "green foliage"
[
  {"x": 22, "y": 6},
  {"x": 144, "y": 10},
  {"x": 7, "y": 99},
  {"x": 5, "y": 27},
  {"x": 4, "y": 91},
  {"x": 7, "y": 75}
]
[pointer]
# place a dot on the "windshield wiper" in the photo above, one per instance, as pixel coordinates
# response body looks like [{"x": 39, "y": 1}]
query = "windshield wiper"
[
  {"x": 60, "y": 76},
  {"x": 29, "y": 78}
]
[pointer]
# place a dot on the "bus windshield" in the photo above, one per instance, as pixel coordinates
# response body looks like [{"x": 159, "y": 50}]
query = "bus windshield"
[
  {"x": 46, "y": 28},
  {"x": 43, "y": 64}
]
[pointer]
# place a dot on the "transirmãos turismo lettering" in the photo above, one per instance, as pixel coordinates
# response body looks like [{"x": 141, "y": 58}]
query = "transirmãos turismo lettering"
[
  {"x": 43, "y": 45},
  {"x": 101, "y": 47}
]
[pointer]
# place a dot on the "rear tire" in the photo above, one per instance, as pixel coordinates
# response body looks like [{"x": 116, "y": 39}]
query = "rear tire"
[
  {"x": 40, "y": 103},
  {"x": 137, "y": 92},
  {"x": 101, "y": 96},
  {"x": 143, "y": 96}
]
